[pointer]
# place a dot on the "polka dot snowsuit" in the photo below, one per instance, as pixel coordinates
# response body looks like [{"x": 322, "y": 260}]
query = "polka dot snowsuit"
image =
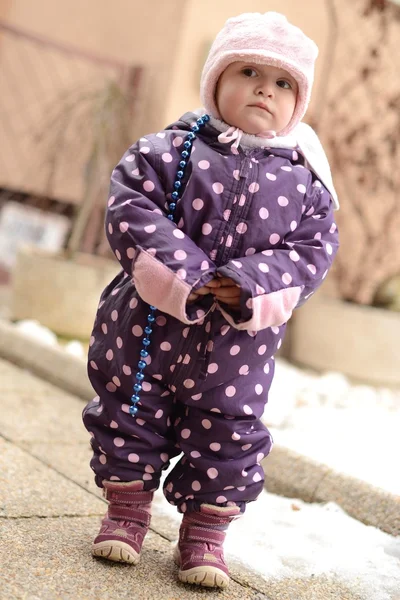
[{"x": 256, "y": 216}]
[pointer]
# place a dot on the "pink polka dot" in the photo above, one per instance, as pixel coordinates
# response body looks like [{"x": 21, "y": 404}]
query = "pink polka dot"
[
  {"x": 109, "y": 354},
  {"x": 195, "y": 454},
  {"x": 236, "y": 174},
  {"x": 257, "y": 477},
  {"x": 226, "y": 215},
  {"x": 177, "y": 141},
  {"x": 144, "y": 149},
  {"x": 206, "y": 424},
  {"x": 267, "y": 252},
  {"x": 293, "y": 225},
  {"x": 166, "y": 157},
  {"x": 294, "y": 256},
  {"x": 266, "y": 369},
  {"x": 180, "y": 255},
  {"x": 185, "y": 433},
  {"x": 246, "y": 447},
  {"x": 283, "y": 201},
  {"x": 212, "y": 368},
  {"x": 247, "y": 410},
  {"x": 241, "y": 228},
  {"x": 221, "y": 499},
  {"x": 137, "y": 330},
  {"x": 275, "y": 330},
  {"x": 225, "y": 329},
  {"x": 161, "y": 321},
  {"x": 111, "y": 200},
  {"x": 234, "y": 350},
  {"x": 116, "y": 381},
  {"x": 230, "y": 391},
  {"x": 250, "y": 251},
  {"x": 104, "y": 328},
  {"x": 92, "y": 340},
  {"x": 206, "y": 229},
  {"x": 312, "y": 269},
  {"x": 123, "y": 227},
  {"x": 133, "y": 457},
  {"x": 178, "y": 234},
  {"x": 183, "y": 507},
  {"x": 262, "y": 349},
  {"x": 244, "y": 370},
  {"x": 165, "y": 346},
  {"x": 286, "y": 278},
  {"x": 235, "y": 436},
  {"x": 204, "y": 165},
  {"x": 215, "y": 446},
  {"x": 102, "y": 459},
  {"x": 130, "y": 157},
  {"x": 119, "y": 442},
  {"x": 218, "y": 187},
  {"x": 254, "y": 187},
  {"x": 127, "y": 370},
  {"x": 133, "y": 303},
  {"x": 148, "y": 186},
  {"x": 118, "y": 254},
  {"x": 271, "y": 176},
  {"x": 114, "y": 315},
  {"x": 146, "y": 386},
  {"x": 295, "y": 156},
  {"x": 242, "y": 200},
  {"x": 188, "y": 383},
  {"x": 197, "y": 397},
  {"x": 274, "y": 238},
  {"x": 196, "y": 486},
  {"x": 264, "y": 268},
  {"x": 286, "y": 168},
  {"x": 149, "y": 469},
  {"x": 259, "y": 389},
  {"x": 329, "y": 248},
  {"x": 212, "y": 473},
  {"x": 150, "y": 228},
  {"x": 301, "y": 188},
  {"x": 164, "y": 456},
  {"x": 260, "y": 289},
  {"x": 263, "y": 212},
  {"x": 181, "y": 273}
]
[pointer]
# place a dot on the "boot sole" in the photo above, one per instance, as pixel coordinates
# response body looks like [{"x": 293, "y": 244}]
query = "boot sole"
[
  {"x": 115, "y": 551},
  {"x": 205, "y": 576}
]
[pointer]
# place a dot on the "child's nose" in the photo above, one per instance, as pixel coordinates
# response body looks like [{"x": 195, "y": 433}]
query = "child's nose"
[{"x": 266, "y": 88}]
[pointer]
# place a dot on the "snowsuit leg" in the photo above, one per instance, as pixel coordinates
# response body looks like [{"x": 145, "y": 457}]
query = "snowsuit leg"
[
  {"x": 127, "y": 448},
  {"x": 223, "y": 442}
]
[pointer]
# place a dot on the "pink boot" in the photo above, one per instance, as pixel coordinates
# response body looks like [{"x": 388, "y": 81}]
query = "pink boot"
[
  {"x": 199, "y": 553},
  {"x": 126, "y": 522}
]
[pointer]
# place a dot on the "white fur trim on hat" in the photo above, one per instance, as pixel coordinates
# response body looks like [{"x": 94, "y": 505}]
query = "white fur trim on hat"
[{"x": 262, "y": 39}]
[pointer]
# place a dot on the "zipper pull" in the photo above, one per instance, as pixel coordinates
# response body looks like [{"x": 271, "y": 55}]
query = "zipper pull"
[{"x": 245, "y": 168}]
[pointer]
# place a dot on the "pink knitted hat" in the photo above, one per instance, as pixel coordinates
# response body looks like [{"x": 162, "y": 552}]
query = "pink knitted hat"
[{"x": 264, "y": 39}]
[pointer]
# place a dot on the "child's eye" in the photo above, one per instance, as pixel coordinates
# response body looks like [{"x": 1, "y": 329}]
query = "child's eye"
[
  {"x": 284, "y": 84},
  {"x": 248, "y": 72}
]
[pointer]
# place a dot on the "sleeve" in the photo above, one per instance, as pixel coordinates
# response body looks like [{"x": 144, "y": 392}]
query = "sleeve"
[
  {"x": 166, "y": 265},
  {"x": 277, "y": 280}
]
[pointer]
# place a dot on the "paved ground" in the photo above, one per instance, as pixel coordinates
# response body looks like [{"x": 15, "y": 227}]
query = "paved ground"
[{"x": 50, "y": 511}]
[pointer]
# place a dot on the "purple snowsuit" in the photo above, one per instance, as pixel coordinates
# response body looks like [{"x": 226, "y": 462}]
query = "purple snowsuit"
[{"x": 255, "y": 215}]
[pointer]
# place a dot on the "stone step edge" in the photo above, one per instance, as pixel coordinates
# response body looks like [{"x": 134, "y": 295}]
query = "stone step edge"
[{"x": 288, "y": 473}]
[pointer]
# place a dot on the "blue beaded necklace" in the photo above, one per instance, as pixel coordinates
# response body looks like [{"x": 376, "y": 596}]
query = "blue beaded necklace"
[{"x": 176, "y": 194}]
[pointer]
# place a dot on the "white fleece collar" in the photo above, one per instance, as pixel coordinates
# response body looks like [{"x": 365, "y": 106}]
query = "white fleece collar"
[{"x": 302, "y": 137}]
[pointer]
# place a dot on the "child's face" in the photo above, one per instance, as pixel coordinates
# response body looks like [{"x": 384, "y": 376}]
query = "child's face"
[{"x": 256, "y": 98}]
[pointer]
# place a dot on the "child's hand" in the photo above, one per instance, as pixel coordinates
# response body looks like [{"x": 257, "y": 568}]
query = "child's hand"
[
  {"x": 228, "y": 292},
  {"x": 204, "y": 290}
]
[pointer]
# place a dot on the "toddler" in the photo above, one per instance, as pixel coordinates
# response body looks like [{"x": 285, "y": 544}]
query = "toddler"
[{"x": 223, "y": 225}]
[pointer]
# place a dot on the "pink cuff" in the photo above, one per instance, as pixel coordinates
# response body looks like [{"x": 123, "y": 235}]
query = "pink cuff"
[
  {"x": 157, "y": 285},
  {"x": 269, "y": 310}
]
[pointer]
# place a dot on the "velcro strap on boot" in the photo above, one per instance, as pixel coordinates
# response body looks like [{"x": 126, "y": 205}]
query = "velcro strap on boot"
[
  {"x": 201, "y": 534},
  {"x": 129, "y": 513},
  {"x": 128, "y": 497}
]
